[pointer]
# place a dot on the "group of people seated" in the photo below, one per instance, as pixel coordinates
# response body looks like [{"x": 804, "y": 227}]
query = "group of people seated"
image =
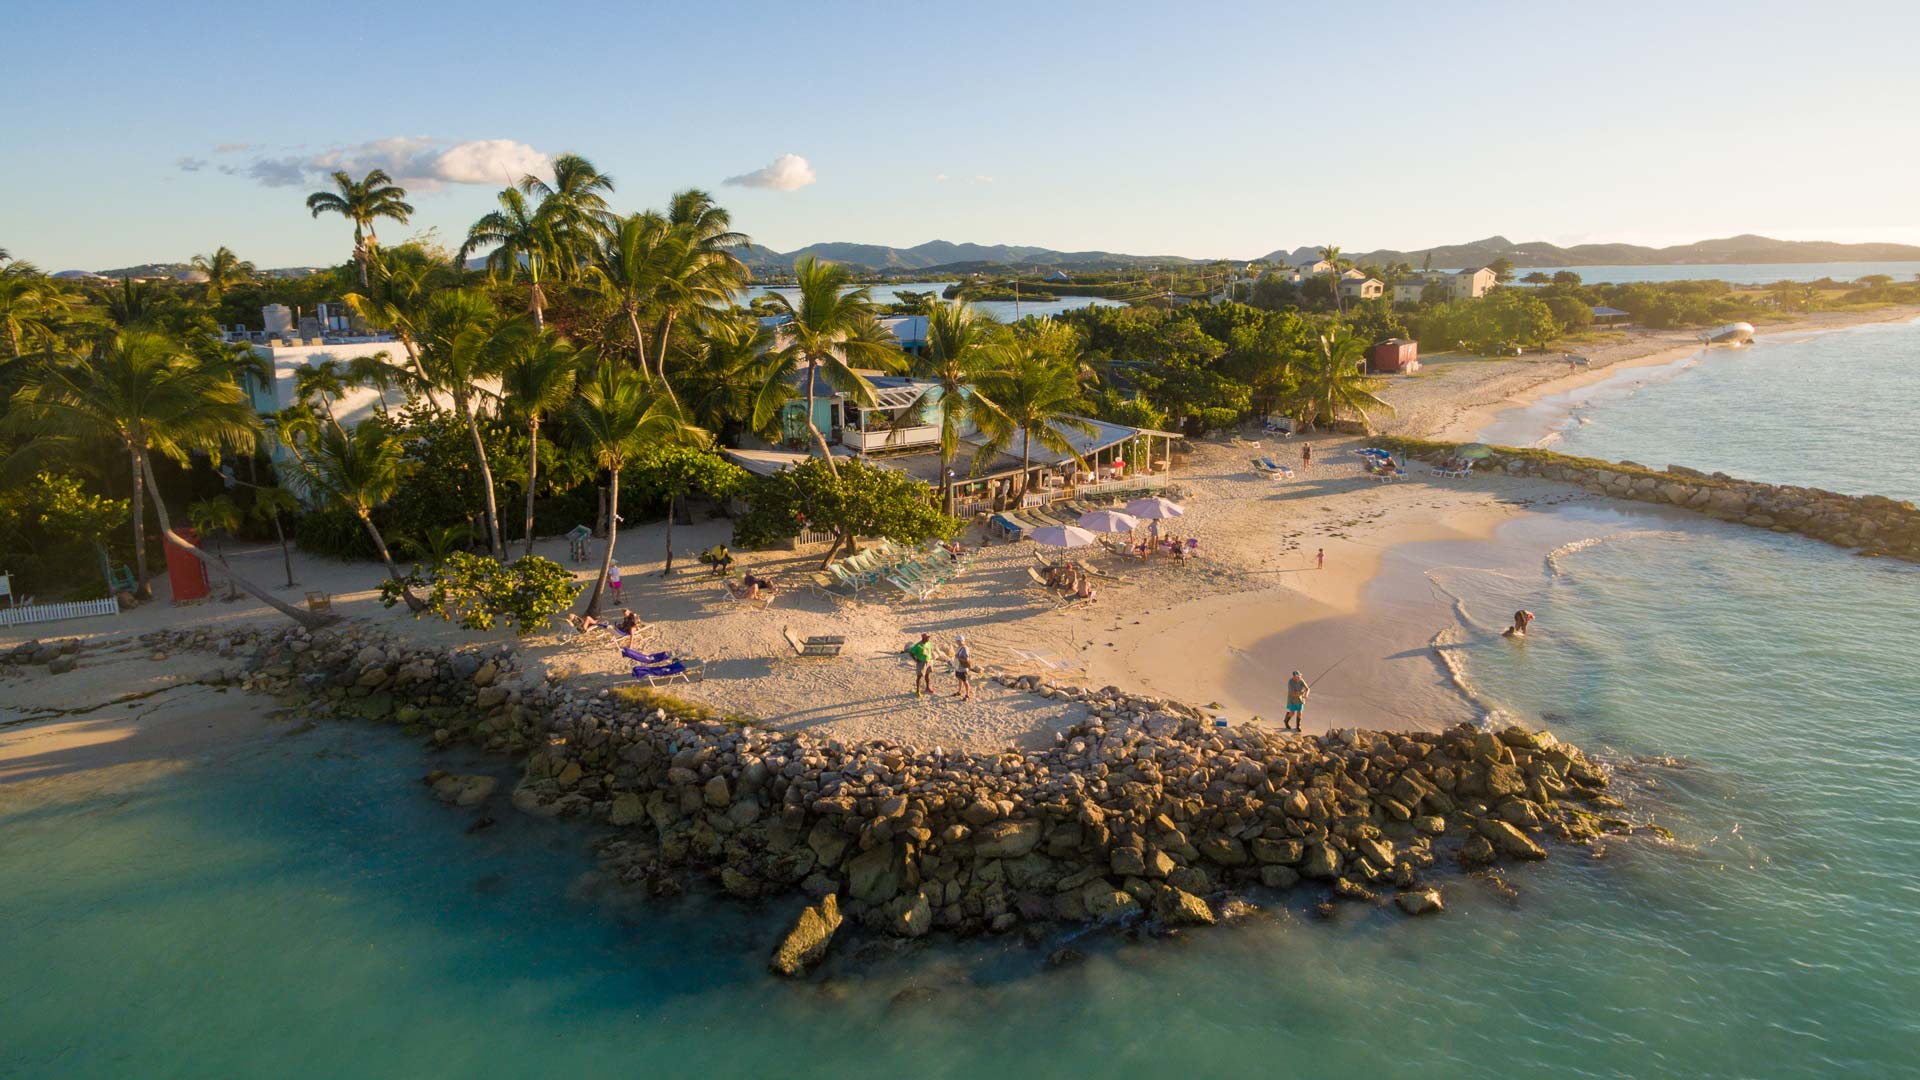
[
  {"x": 1383, "y": 466},
  {"x": 627, "y": 625},
  {"x": 1176, "y": 546},
  {"x": 1071, "y": 579},
  {"x": 1455, "y": 464}
]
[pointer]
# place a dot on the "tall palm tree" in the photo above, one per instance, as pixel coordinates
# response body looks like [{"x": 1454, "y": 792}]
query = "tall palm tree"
[
  {"x": 536, "y": 381},
  {"x": 734, "y": 377},
  {"x": 461, "y": 342},
  {"x": 629, "y": 269},
  {"x": 31, "y": 308},
  {"x": 829, "y": 330},
  {"x": 574, "y": 209},
  {"x": 272, "y": 505},
  {"x": 1036, "y": 397},
  {"x": 148, "y": 395},
  {"x": 399, "y": 303},
  {"x": 1332, "y": 257},
  {"x": 963, "y": 347},
  {"x": 363, "y": 202},
  {"x": 693, "y": 284},
  {"x": 617, "y": 414},
  {"x": 355, "y": 470},
  {"x": 524, "y": 241},
  {"x": 224, "y": 270},
  {"x": 710, "y": 228},
  {"x": 1331, "y": 382}
]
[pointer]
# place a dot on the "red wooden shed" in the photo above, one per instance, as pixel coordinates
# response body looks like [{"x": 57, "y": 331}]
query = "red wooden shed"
[{"x": 1394, "y": 356}]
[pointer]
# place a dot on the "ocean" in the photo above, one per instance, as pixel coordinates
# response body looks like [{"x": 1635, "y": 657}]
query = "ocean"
[
  {"x": 1736, "y": 273},
  {"x": 300, "y": 908},
  {"x": 1004, "y": 310}
]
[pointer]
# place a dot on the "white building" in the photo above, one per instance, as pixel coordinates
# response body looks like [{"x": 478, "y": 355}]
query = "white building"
[{"x": 1362, "y": 288}]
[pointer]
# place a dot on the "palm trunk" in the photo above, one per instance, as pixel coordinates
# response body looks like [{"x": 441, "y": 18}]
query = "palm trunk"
[
  {"x": 414, "y": 603},
  {"x": 495, "y": 545},
  {"x": 660, "y": 361},
  {"x": 308, "y": 619},
  {"x": 639, "y": 342},
  {"x": 826, "y": 451},
  {"x": 533, "y": 467},
  {"x": 143, "y": 585},
  {"x": 1026, "y": 459},
  {"x": 286, "y": 553},
  {"x": 613, "y": 531},
  {"x": 672, "y": 500}
]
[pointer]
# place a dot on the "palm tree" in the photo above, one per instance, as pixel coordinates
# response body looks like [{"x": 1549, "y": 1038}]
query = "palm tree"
[
  {"x": 523, "y": 239},
  {"x": 709, "y": 227},
  {"x": 133, "y": 304},
  {"x": 224, "y": 270},
  {"x": 400, "y": 303},
  {"x": 616, "y": 415},
  {"x": 30, "y": 308},
  {"x": 733, "y": 377},
  {"x": 271, "y": 504},
  {"x": 573, "y": 208},
  {"x": 829, "y": 330},
  {"x": 536, "y": 382},
  {"x": 214, "y": 517},
  {"x": 692, "y": 283},
  {"x": 363, "y": 202},
  {"x": 461, "y": 342},
  {"x": 1332, "y": 257},
  {"x": 963, "y": 347},
  {"x": 1036, "y": 397},
  {"x": 1331, "y": 382},
  {"x": 355, "y": 470},
  {"x": 629, "y": 269},
  {"x": 147, "y": 394}
]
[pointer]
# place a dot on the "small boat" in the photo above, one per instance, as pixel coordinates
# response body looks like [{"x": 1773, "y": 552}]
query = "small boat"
[{"x": 1736, "y": 333}]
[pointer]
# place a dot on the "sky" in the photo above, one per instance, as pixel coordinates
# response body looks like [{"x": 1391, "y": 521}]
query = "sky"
[{"x": 151, "y": 133}]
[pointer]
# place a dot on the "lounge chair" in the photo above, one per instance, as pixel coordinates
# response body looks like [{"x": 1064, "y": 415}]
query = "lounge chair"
[
  {"x": 740, "y": 594},
  {"x": 1272, "y": 468},
  {"x": 120, "y": 578},
  {"x": 655, "y": 674},
  {"x": 1455, "y": 469},
  {"x": 819, "y": 645},
  {"x": 639, "y": 657},
  {"x": 1007, "y": 526},
  {"x": 319, "y": 601}
]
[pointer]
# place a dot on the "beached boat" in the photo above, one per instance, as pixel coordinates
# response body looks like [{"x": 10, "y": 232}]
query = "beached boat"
[{"x": 1736, "y": 333}]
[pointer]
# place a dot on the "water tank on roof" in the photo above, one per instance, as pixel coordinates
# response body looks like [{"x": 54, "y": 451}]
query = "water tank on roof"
[{"x": 276, "y": 318}]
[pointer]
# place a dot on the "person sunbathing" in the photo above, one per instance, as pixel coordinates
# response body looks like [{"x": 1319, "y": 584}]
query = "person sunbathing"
[
  {"x": 750, "y": 587},
  {"x": 586, "y": 624},
  {"x": 629, "y": 623},
  {"x": 1084, "y": 590}
]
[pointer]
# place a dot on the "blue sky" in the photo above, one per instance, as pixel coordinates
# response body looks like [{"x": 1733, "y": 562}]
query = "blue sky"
[{"x": 150, "y": 133}]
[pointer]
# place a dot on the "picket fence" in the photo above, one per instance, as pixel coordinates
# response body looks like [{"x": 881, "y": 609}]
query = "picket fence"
[{"x": 38, "y": 613}]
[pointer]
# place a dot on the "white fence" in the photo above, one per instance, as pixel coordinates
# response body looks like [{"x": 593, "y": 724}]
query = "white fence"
[{"x": 36, "y": 613}]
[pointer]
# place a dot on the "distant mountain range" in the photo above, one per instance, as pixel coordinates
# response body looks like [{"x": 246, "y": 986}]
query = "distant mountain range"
[
  {"x": 936, "y": 255},
  {"x": 1734, "y": 249}
]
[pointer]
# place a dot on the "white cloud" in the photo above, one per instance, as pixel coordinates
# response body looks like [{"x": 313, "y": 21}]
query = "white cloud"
[
  {"x": 421, "y": 162},
  {"x": 191, "y": 164},
  {"x": 788, "y": 172}
]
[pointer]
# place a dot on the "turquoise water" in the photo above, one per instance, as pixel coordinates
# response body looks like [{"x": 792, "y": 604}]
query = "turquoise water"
[
  {"x": 1833, "y": 410},
  {"x": 1737, "y": 273},
  {"x": 301, "y": 908},
  {"x": 1003, "y": 310}
]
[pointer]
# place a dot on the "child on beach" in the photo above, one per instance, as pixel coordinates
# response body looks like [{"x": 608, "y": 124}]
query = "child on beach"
[
  {"x": 922, "y": 665},
  {"x": 1306, "y": 455},
  {"x": 1320, "y": 559}
]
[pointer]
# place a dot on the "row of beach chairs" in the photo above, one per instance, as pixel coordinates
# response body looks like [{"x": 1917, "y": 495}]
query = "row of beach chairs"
[
  {"x": 913, "y": 572},
  {"x": 655, "y": 668},
  {"x": 1016, "y": 524}
]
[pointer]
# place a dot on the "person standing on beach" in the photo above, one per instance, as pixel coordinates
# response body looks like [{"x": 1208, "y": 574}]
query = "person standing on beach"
[
  {"x": 1306, "y": 454},
  {"x": 922, "y": 656},
  {"x": 1297, "y": 690},
  {"x": 963, "y": 668},
  {"x": 1320, "y": 563},
  {"x": 613, "y": 581}
]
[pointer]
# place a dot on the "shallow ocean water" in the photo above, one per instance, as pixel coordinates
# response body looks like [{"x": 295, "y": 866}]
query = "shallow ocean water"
[{"x": 302, "y": 908}]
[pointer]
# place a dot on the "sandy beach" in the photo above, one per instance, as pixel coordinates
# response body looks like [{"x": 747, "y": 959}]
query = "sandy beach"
[{"x": 1222, "y": 631}]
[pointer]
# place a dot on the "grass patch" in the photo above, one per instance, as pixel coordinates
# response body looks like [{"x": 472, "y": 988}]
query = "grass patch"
[{"x": 649, "y": 698}]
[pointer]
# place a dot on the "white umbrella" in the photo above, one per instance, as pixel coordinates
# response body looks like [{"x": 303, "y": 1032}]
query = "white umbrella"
[
  {"x": 1108, "y": 521},
  {"x": 1064, "y": 536},
  {"x": 1155, "y": 507}
]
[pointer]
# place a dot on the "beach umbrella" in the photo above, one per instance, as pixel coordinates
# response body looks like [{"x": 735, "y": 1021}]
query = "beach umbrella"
[
  {"x": 1155, "y": 507},
  {"x": 1475, "y": 451},
  {"x": 1063, "y": 536},
  {"x": 1108, "y": 521}
]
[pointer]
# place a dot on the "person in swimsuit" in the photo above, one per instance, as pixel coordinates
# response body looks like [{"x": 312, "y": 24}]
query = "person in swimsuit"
[
  {"x": 1297, "y": 690},
  {"x": 1521, "y": 620},
  {"x": 963, "y": 668},
  {"x": 629, "y": 623}
]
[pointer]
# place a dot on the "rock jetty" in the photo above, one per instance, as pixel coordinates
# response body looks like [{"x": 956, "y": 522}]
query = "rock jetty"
[{"x": 1143, "y": 811}]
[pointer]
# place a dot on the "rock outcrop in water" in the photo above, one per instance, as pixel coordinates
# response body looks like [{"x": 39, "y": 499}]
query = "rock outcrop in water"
[{"x": 1143, "y": 810}]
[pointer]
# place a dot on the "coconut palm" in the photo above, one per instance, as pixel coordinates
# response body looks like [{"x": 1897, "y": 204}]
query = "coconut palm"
[
  {"x": 617, "y": 414},
  {"x": 148, "y": 395},
  {"x": 829, "y": 330},
  {"x": 355, "y": 470},
  {"x": 710, "y": 228},
  {"x": 1332, "y": 257},
  {"x": 271, "y": 505},
  {"x": 629, "y": 268},
  {"x": 1036, "y": 397},
  {"x": 536, "y": 381},
  {"x": 524, "y": 241},
  {"x": 1331, "y": 382},
  {"x": 399, "y": 302},
  {"x": 963, "y": 347},
  {"x": 693, "y": 284},
  {"x": 733, "y": 377},
  {"x": 574, "y": 210},
  {"x": 31, "y": 309},
  {"x": 363, "y": 202},
  {"x": 224, "y": 270}
]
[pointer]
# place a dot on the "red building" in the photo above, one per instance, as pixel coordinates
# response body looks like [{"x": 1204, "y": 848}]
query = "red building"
[{"x": 1394, "y": 356}]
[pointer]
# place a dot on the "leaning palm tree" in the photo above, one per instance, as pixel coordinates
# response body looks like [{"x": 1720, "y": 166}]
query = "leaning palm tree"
[
  {"x": 536, "y": 381},
  {"x": 522, "y": 242},
  {"x": 829, "y": 330},
  {"x": 1332, "y": 382},
  {"x": 1035, "y": 397},
  {"x": 363, "y": 202},
  {"x": 693, "y": 285},
  {"x": 224, "y": 270},
  {"x": 616, "y": 415},
  {"x": 963, "y": 347},
  {"x": 147, "y": 394},
  {"x": 31, "y": 309},
  {"x": 710, "y": 228},
  {"x": 355, "y": 470}
]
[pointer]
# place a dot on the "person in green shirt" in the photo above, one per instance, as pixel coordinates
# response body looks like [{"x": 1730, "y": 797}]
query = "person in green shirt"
[{"x": 921, "y": 652}]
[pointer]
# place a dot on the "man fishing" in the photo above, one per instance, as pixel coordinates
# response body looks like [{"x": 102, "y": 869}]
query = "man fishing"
[{"x": 1297, "y": 690}]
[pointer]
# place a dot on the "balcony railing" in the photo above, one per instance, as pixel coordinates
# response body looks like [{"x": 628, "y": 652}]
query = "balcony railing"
[{"x": 865, "y": 441}]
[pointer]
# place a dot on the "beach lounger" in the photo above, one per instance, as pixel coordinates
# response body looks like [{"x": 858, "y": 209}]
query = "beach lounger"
[
  {"x": 319, "y": 602},
  {"x": 639, "y": 657},
  {"x": 1464, "y": 469},
  {"x": 655, "y": 674},
  {"x": 1006, "y": 526},
  {"x": 819, "y": 645},
  {"x": 597, "y": 628}
]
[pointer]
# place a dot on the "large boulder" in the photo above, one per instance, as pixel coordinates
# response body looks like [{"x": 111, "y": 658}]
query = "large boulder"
[
  {"x": 1321, "y": 862},
  {"x": 1512, "y": 840},
  {"x": 807, "y": 940},
  {"x": 1006, "y": 839},
  {"x": 874, "y": 875},
  {"x": 463, "y": 790},
  {"x": 909, "y": 915},
  {"x": 627, "y": 809},
  {"x": 1104, "y": 902},
  {"x": 1419, "y": 901},
  {"x": 1177, "y": 907}
]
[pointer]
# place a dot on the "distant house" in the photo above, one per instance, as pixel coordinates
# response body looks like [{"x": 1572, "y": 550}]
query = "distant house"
[
  {"x": 1394, "y": 356},
  {"x": 1411, "y": 291},
  {"x": 1353, "y": 274},
  {"x": 1314, "y": 268},
  {"x": 1363, "y": 288},
  {"x": 1611, "y": 316},
  {"x": 1059, "y": 276},
  {"x": 1468, "y": 284}
]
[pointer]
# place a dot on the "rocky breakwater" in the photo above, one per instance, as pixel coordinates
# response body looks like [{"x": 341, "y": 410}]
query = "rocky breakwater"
[
  {"x": 1145, "y": 811},
  {"x": 1869, "y": 524}
]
